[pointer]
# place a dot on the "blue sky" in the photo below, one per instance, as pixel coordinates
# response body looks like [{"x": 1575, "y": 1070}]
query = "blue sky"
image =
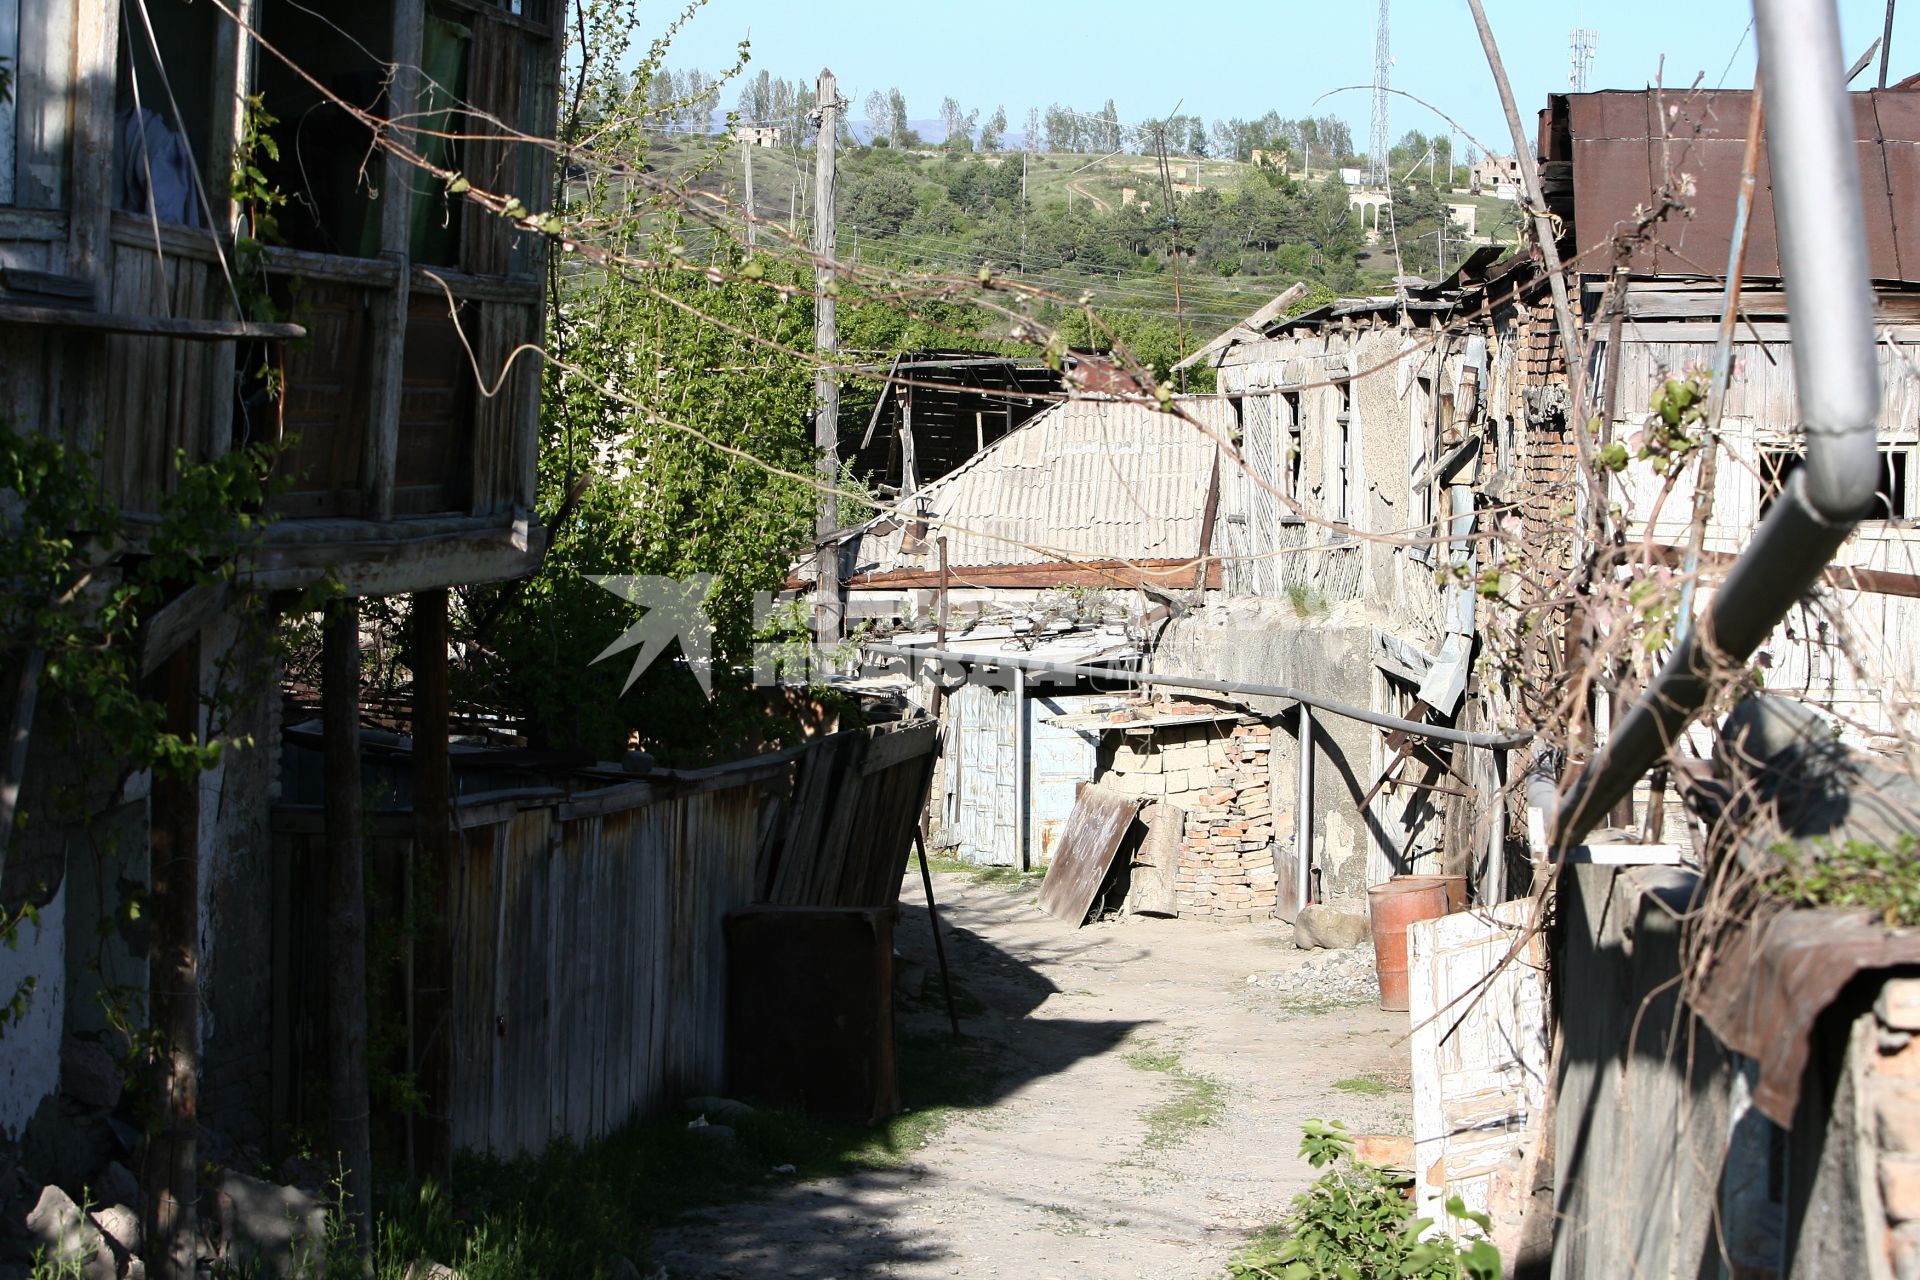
[{"x": 1240, "y": 58}]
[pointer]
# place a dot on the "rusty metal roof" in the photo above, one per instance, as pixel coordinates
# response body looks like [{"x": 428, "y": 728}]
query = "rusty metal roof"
[
  {"x": 1614, "y": 144},
  {"x": 1089, "y": 479}
]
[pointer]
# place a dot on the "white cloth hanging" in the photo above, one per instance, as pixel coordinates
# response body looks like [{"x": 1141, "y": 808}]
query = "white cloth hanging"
[{"x": 154, "y": 161}]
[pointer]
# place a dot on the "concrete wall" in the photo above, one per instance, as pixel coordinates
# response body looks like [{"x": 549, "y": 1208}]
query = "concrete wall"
[
  {"x": 1266, "y": 642},
  {"x": 30, "y": 1048},
  {"x": 83, "y": 853}
]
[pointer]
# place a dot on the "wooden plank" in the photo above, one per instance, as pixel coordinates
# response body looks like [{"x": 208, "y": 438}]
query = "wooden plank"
[
  {"x": 615, "y": 799},
  {"x": 178, "y": 621},
  {"x": 897, "y": 745},
  {"x": 1163, "y": 573},
  {"x": 1086, "y": 851},
  {"x": 149, "y": 326}
]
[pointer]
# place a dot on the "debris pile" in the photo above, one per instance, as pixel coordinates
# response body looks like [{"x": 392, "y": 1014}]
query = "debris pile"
[
  {"x": 1226, "y": 855},
  {"x": 1324, "y": 978}
]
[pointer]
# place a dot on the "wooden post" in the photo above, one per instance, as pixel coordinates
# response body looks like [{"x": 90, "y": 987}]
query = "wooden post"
[
  {"x": 346, "y": 918},
  {"x": 1303, "y": 810},
  {"x": 389, "y": 313},
  {"x": 909, "y": 460},
  {"x": 828, "y": 615},
  {"x": 751, "y": 230},
  {"x": 940, "y": 628},
  {"x": 173, "y": 986},
  {"x": 431, "y": 1010},
  {"x": 1021, "y": 852}
]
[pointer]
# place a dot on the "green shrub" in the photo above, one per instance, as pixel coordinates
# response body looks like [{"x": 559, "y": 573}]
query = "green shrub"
[{"x": 1354, "y": 1223}]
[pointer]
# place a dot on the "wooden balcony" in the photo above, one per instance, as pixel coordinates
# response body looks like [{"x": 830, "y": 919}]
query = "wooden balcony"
[{"x": 408, "y": 438}]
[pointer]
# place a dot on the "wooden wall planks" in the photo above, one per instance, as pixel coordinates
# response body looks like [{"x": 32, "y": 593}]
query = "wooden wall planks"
[{"x": 588, "y": 963}]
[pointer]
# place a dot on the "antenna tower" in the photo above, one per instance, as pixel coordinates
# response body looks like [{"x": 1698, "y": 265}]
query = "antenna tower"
[
  {"x": 1377, "y": 169},
  {"x": 1583, "y": 41}
]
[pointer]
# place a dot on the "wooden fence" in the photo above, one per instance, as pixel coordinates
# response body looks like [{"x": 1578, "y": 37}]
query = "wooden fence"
[{"x": 584, "y": 928}]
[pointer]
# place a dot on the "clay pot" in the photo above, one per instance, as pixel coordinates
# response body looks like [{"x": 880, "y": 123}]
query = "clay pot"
[{"x": 1392, "y": 907}]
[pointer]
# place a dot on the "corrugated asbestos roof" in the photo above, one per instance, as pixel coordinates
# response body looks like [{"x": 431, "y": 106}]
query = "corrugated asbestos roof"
[{"x": 1087, "y": 479}]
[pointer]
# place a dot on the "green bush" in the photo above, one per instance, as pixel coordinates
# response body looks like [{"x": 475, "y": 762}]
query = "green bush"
[{"x": 1354, "y": 1223}]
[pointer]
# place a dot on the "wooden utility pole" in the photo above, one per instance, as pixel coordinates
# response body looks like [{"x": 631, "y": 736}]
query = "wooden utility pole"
[
  {"x": 346, "y": 919},
  {"x": 751, "y": 236},
  {"x": 429, "y": 950},
  {"x": 173, "y": 984},
  {"x": 828, "y": 615}
]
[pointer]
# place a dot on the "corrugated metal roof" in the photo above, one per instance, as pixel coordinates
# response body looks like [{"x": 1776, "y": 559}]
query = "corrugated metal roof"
[
  {"x": 1087, "y": 480},
  {"x": 1612, "y": 140}
]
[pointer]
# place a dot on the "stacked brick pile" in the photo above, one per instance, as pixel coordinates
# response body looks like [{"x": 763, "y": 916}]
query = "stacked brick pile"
[{"x": 1226, "y": 855}]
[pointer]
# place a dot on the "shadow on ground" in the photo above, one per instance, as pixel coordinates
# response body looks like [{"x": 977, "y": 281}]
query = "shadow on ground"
[{"x": 848, "y": 1226}]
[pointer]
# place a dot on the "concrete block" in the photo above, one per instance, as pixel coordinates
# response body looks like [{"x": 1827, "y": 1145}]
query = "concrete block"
[
  {"x": 277, "y": 1231},
  {"x": 1897, "y": 1113},
  {"x": 1900, "y": 1187},
  {"x": 68, "y": 1240},
  {"x": 1898, "y": 1005}
]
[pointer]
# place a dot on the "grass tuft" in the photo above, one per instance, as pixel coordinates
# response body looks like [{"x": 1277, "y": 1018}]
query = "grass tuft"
[
  {"x": 1372, "y": 1086},
  {"x": 1196, "y": 1103},
  {"x": 570, "y": 1211}
]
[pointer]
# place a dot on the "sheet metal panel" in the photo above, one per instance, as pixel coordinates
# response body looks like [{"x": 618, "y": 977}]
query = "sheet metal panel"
[
  {"x": 1062, "y": 759},
  {"x": 1090, "y": 479},
  {"x": 1619, "y": 155}
]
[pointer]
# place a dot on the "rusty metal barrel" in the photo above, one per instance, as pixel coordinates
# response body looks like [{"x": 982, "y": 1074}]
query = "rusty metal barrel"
[{"x": 1392, "y": 907}]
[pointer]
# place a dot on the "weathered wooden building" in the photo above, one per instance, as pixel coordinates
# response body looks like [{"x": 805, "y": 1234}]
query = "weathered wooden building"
[{"x": 385, "y": 336}]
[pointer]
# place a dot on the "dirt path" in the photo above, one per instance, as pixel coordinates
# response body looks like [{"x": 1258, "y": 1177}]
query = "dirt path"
[
  {"x": 1145, "y": 1120},
  {"x": 1102, "y": 206}
]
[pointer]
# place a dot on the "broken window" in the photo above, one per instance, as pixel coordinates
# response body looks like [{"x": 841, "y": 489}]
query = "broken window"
[
  {"x": 163, "y": 113},
  {"x": 1891, "y": 499},
  {"x": 328, "y": 166},
  {"x": 1343, "y": 457},
  {"x": 1290, "y": 447}
]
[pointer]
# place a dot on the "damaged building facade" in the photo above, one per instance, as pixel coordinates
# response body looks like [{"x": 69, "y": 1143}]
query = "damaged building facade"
[{"x": 140, "y": 330}]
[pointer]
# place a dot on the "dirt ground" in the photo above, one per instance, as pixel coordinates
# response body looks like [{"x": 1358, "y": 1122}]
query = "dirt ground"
[{"x": 1143, "y": 1116}]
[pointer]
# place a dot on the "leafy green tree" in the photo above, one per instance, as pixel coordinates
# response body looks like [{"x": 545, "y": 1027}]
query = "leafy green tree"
[
  {"x": 880, "y": 203},
  {"x": 993, "y": 130},
  {"x": 956, "y": 124}
]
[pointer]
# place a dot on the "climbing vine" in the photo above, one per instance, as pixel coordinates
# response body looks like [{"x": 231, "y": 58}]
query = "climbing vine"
[{"x": 82, "y": 586}]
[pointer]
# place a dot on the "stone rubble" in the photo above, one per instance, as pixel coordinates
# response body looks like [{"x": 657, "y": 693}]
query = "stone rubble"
[{"x": 1337, "y": 977}]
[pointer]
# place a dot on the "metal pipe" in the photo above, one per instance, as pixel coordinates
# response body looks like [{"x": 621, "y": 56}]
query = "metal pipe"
[
  {"x": 1303, "y": 809},
  {"x": 1285, "y": 693},
  {"x": 1823, "y": 258}
]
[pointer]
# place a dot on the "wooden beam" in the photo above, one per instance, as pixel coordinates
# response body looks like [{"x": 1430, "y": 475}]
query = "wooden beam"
[
  {"x": 430, "y": 948},
  {"x": 96, "y": 43},
  {"x": 391, "y": 566},
  {"x": 13, "y": 313},
  {"x": 173, "y": 986},
  {"x": 1117, "y": 574},
  {"x": 387, "y": 371},
  {"x": 179, "y": 621},
  {"x": 346, "y": 913},
  {"x": 1846, "y": 577}
]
